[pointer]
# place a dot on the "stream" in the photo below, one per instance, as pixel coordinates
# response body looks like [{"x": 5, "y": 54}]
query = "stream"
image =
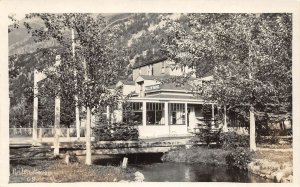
[{"x": 154, "y": 170}]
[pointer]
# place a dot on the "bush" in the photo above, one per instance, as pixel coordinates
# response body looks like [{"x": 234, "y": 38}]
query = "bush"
[
  {"x": 232, "y": 140},
  {"x": 239, "y": 158},
  {"x": 207, "y": 135},
  {"x": 116, "y": 131},
  {"x": 197, "y": 154}
]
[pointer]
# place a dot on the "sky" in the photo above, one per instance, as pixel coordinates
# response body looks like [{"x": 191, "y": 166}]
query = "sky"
[{"x": 18, "y": 16}]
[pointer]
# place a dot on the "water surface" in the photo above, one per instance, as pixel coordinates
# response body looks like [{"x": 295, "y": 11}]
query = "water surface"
[{"x": 154, "y": 170}]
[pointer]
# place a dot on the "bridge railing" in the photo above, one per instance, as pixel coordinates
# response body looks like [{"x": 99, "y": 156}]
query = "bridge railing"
[
  {"x": 44, "y": 132},
  {"x": 20, "y": 132}
]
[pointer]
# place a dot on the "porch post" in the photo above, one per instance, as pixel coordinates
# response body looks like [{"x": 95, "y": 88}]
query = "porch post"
[
  {"x": 212, "y": 114},
  {"x": 185, "y": 114},
  {"x": 144, "y": 113},
  {"x": 166, "y": 113}
]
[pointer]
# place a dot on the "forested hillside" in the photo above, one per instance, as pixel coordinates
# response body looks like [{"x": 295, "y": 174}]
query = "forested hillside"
[
  {"x": 250, "y": 56},
  {"x": 139, "y": 37}
]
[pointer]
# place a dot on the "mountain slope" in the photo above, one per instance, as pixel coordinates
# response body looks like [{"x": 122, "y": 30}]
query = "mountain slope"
[{"x": 139, "y": 37}]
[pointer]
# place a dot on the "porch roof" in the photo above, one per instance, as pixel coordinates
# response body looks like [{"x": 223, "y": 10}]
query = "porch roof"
[
  {"x": 170, "y": 98},
  {"x": 173, "y": 96}
]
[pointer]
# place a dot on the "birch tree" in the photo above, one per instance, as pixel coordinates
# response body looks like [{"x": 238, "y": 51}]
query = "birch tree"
[{"x": 98, "y": 61}]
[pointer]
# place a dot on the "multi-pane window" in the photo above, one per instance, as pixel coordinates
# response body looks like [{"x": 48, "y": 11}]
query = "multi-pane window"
[
  {"x": 163, "y": 69},
  {"x": 155, "y": 113},
  {"x": 141, "y": 93},
  {"x": 137, "y": 108},
  {"x": 134, "y": 112},
  {"x": 177, "y": 114}
]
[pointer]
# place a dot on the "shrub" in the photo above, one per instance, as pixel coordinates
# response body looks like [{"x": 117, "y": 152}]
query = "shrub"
[
  {"x": 116, "y": 131},
  {"x": 239, "y": 158},
  {"x": 207, "y": 135},
  {"x": 197, "y": 154},
  {"x": 274, "y": 137},
  {"x": 232, "y": 140}
]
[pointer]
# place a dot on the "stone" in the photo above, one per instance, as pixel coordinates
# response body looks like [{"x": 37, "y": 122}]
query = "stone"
[
  {"x": 67, "y": 159},
  {"x": 139, "y": 177},
  {"x": 278, "y": 177},
  {"x": 290, "y": 178}
]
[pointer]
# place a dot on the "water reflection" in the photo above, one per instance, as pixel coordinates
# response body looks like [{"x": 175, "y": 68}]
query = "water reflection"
[
  {"x": 156, "y": 171},
  {"x": 182, "y": 172}
]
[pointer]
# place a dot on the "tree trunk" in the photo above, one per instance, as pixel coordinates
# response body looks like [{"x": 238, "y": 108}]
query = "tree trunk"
[
  {"x": 35, "y": 108},
  {"x": 252, "y": 130},
  {"x": 88, "y": 157},
  {"x": 225, "y": 128},
  {"x": 76, "y": 97},
  {"x": 56, "y": 126},
  {"x": 77, "y": 118}
]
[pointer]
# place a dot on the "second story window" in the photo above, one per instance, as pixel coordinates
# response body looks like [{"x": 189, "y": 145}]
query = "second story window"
[
  {"x": 150, "y": 69},
  {"x": 163, "y": 67}
]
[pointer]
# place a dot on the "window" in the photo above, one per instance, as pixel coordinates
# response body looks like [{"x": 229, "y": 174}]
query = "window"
[
  {"x": 150, "y": 69},
  {"x": 177, "y": 112},
  {"x": 163, "y": 69},
  {"x": 155, "y": 113},
  {"x": 141, "y": 85},
  {"x": 173, "y": 118},
  {"x": 134, "y": 112}
]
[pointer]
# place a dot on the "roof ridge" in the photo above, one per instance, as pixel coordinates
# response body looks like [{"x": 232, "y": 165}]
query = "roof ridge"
[{"x": 141, "y": 63}]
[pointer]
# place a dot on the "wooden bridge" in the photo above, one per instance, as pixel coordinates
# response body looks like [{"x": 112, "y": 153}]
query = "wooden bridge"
[{"x": 22, "y": 148}]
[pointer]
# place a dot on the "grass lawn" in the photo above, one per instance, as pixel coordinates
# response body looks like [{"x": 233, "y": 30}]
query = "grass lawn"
[
  {"x": 57, "y": 171},
  {"x": 275, "y": 146}
]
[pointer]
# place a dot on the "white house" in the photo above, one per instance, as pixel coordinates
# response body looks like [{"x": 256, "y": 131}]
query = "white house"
[{"x": 164, "y": 109}]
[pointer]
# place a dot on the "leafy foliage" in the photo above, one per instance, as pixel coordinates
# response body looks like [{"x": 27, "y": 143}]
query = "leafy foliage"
[
  {"x": 250, "y": 55},
  {"x": 116, "y": 131},
  {"x": 232, "y": 140},
  {"x": 103, "y": 63},
  {"x": 239, "y": 158}
]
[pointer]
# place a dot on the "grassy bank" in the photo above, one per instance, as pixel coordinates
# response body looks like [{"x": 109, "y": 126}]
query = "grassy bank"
[
  {"x": 58, "y": 171},
  {"x": 273, "y": 164},
  {"x": 197, "y": 154}
]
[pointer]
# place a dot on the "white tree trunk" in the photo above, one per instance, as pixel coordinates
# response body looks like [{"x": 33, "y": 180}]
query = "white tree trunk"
[
  {"x": 56, "y": 126},
  {"x": 77, "y": 118},
  {"x": 76, "y": 97},
  {"x": 88, "y": 157},
  {"x": 35, "y": 107},
  {"x": 225, "y": 128},
  {"x": 252, "y": 130}
]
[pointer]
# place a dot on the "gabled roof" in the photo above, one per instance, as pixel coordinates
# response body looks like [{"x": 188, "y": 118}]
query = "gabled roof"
[
  {"x": 145, "y": 63},
  {"x": 174, "y": 86},
  {"x": 127, "y": 82}
]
